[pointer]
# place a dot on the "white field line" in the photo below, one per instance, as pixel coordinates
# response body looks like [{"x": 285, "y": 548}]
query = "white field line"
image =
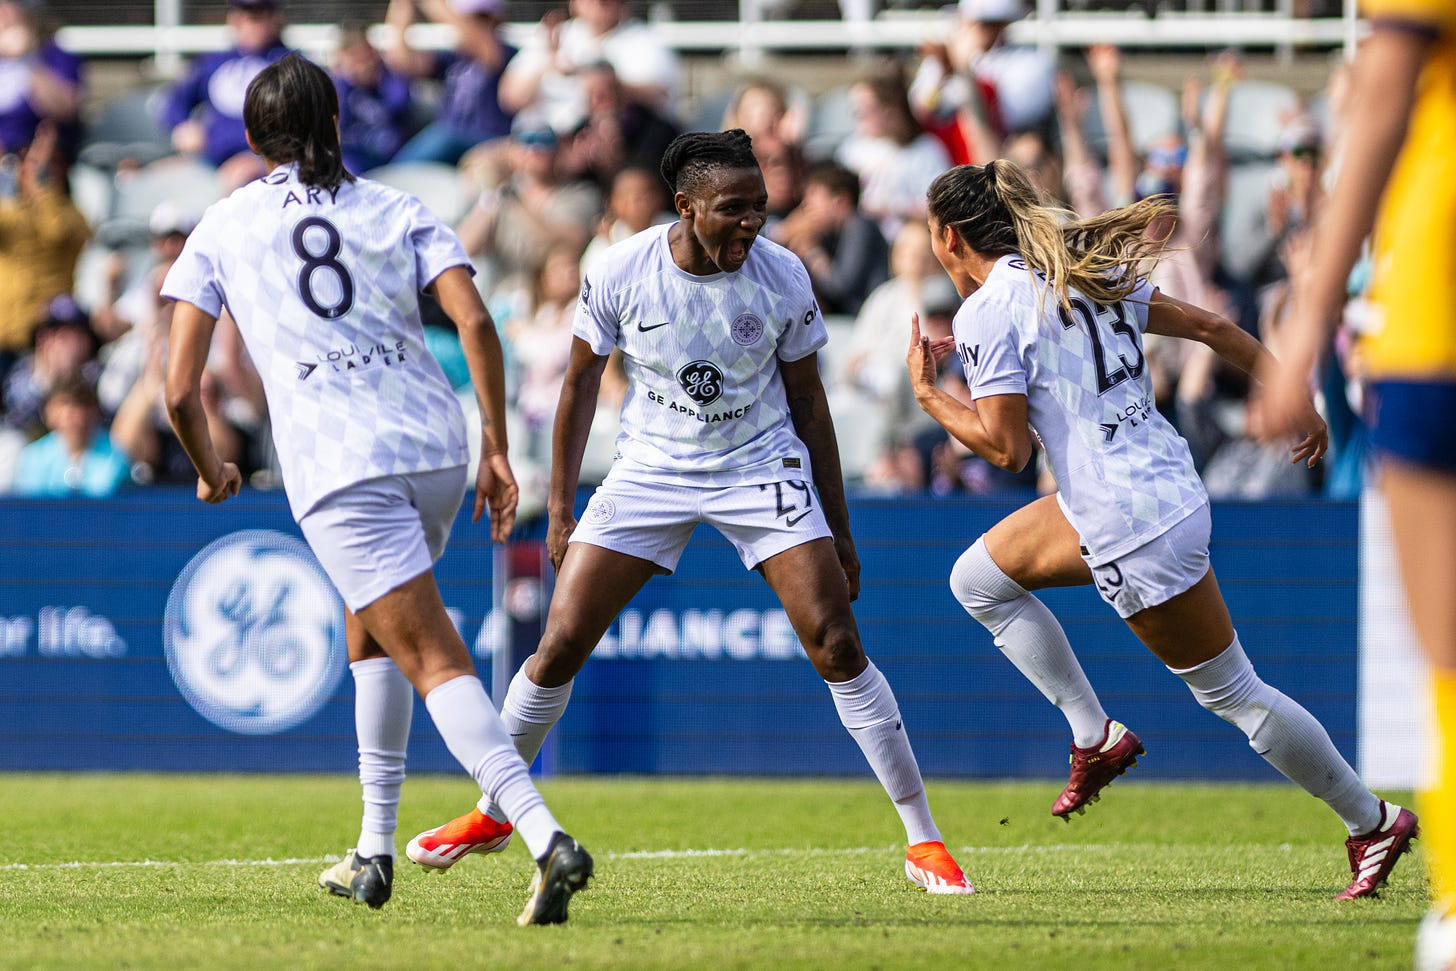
[{"x": 1050, "y": 849}]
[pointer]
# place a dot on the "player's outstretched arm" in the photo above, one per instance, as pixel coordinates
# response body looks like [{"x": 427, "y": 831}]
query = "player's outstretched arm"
[
  {"x": 1174, "y": 318},
  {"x": 188, "y": 344},
  {"x": 495, "y": 484},
  {"x": 574, "y": 414},
  {"x": 809, "y": 410}
]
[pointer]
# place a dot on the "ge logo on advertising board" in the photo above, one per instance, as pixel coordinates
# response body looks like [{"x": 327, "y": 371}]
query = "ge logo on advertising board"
[{"x": 254, "y": 633}]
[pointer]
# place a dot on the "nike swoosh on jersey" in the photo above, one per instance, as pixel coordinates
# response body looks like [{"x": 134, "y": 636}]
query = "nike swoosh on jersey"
[
  {"x": 795, "y": 520},
  {"x": 644, "y": 328}
]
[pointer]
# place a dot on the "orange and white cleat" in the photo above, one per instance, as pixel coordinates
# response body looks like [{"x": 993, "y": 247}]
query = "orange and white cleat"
[
  {"x": 444, "y": 846},
  {"x": 929, "y": 866}
]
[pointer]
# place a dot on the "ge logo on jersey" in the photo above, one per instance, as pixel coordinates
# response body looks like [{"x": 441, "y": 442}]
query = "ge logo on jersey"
[
  {"x": 702, "y": 380},
  {"x": 254, "y": 633},
  {"x": 746, "y": 329}
]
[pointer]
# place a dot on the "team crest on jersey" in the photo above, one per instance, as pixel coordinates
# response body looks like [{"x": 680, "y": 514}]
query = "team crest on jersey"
[
  {"x": 702, "y": 380},
  {"x": 600, "y": 510},
  {"x": 746, "y": 329}
]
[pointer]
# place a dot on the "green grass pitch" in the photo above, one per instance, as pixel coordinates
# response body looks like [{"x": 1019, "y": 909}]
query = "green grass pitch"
[{"x": 199, "y": 871}]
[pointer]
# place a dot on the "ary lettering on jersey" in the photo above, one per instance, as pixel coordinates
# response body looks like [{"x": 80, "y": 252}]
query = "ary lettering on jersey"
[{"x": 311, "y": 194}]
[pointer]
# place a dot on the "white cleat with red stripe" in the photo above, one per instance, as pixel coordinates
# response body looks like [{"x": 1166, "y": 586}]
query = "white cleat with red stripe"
[{"x": 444, "y": 846}]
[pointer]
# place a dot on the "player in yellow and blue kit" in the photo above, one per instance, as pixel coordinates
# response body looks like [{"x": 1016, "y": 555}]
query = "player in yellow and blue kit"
[{"x": 1403, "y": 125}]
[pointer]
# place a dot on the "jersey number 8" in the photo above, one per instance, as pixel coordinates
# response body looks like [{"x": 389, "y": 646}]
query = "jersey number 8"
[{"x": 326, "y": 260}]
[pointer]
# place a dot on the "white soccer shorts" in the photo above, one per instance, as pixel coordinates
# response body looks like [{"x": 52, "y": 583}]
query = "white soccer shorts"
[
  {"x": 378, "y": 534},
  {"x": 654, "y": 522},
  {"x": 1158, "y": 570}
]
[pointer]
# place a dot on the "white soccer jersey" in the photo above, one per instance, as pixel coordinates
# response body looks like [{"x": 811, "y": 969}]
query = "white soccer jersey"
[
  {"x": 324, "y": 285},
  {"x": 705, "y": 401},
  {"x": 1123, "y": 473}
]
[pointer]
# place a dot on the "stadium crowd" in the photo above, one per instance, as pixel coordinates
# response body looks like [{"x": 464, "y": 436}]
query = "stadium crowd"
[{"x": 553, "y": 149}]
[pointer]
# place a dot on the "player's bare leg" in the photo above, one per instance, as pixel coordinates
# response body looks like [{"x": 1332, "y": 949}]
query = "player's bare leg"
[
  {"x": 1194, "y": 636},
  {"x": 810, "y": 584},
  {"x": 1423, "y": 519}
]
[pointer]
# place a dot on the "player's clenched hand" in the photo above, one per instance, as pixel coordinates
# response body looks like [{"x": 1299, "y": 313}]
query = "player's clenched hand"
[
  {"x": 228, "y": 481},
  {"x": 558, "y": 534},
  {"x": 495, "y": 487}
]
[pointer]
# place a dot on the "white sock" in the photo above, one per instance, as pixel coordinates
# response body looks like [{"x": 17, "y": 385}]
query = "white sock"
[
  {"x": 383, "y": 705},
  {"x": 1288, "y": 737},
  {"x": 1031, "y": 638},
  {"x": 528, "y": 713},
  {"x": 473, "y": 732},
  {"x": 867, "y": 708}
]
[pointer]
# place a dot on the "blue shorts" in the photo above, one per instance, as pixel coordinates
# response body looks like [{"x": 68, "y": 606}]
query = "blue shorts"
[{"x": 1414, "y": 422}]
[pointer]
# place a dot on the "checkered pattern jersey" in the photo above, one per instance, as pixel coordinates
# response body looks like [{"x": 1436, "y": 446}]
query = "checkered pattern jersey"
[
  {"x": 705, "y": 403},
  {"x": 1123, "y": 473},
  {"x": 324, "y": 286}
]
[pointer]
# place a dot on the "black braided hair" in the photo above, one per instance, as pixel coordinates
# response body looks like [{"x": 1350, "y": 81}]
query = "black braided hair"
[{"x": 692, "y": 156}]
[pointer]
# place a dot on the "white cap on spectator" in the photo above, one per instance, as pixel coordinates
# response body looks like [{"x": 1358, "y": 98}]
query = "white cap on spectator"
[
  {"x": 992, "y": 11},
  {"x": 171, "y": 217},
  {"x": 469, "y": 8},
  {"x": 1299, "y": 132}
]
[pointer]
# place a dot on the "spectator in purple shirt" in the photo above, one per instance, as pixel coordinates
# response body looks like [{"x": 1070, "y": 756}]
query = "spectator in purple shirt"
[
  {"x": 38, "y": 80},
  {"x": 204, "y": 110},
  {"x": 470, "y": 110},
  {"x": 374, "y": 102}
]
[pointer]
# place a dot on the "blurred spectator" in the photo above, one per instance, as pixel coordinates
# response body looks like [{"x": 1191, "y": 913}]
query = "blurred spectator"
[
  {"x": 541, "y": 345},
  {"x": 374, "y": 102},
  {"x": 1021, "y": 75},
  {"x": 1034, "y": 153},
  {"x": 955, "y": 106},
  {"x": 638, "y": 200},
  {"x": 38, "y": 82},
  {"x": 141, "y": 428},
  {"x": 1295, "y": 192},
  {"x": 471, "y": 109},
  {"x": 545, "y": 74},
  {"x": 782, "y": 163},
  {"x": 65, "y": 350},
  {"x": 525, "y": 210},
  {"x": 42, "y": 234},
  {"x": 761, "y": 107},
  {"x": 894, "y": 158},
  {"x": 843, "y": 250},
  {"x": 128, "y": 321},
  {"x": 874, "y": 362},
  {"x": 619, "y": 131},
  {"x": 204, "y": 110},
  {"x": 76, "y": 457}
]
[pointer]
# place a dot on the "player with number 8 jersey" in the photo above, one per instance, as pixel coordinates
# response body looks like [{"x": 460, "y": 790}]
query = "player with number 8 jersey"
[{"x": 323, "y": 273}]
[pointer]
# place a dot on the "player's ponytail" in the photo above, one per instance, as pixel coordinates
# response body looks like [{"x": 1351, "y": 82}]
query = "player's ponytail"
[
  {"x": 995, "y": 210},
  {"x": 291, "y": 113}
]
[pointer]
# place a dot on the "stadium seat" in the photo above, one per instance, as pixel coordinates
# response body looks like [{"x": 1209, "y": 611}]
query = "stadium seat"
[
  {"x": 708, "y": 115},
  {"x": 859, "y": 425},
  {"x": 832, "y": 354},
  {"x": 440, "y": 187},
  {"x": 1152, "y": 112},
  {"x": 127, "y": 130},
  {"x": 92, "y": 190},
  {"x": 830, "y": 123},
  {"x": 1256, "y": 113},
  {"x": 189, "y": 183}
]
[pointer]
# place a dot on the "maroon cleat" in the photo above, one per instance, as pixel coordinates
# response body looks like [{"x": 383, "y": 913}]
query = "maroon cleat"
[
  {"x": 1373, "y": 855},
  {"x": 1093, "y": 769}
]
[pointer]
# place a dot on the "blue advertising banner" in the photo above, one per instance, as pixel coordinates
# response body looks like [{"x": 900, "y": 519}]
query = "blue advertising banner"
[{"x": 152, "y": 632}]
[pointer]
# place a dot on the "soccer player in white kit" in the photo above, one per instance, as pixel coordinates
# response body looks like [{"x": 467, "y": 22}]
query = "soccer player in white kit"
[
  {"x": 725, "y": 422},
  {"x": 1051, "y": 336},
  {"x": 322, "y": 272}
]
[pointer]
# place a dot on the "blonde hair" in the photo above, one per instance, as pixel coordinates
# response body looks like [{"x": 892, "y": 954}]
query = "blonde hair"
[{"x": 996, "y": 210}]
